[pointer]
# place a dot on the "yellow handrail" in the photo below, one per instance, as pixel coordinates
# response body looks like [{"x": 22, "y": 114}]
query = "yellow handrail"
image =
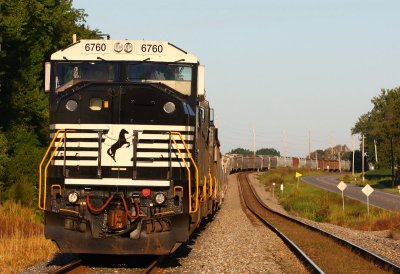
[
  {"x": 172, "y": 133},
  {"x": 40, "y": 167},
  {"x": 216, "y": 187},
  {"x": 211, "y": 183},
  {"x": 47, "y": 165},
  {"x": 53, "y": 187},
  {"x": 205, "y": 188},
  {"x": 176, "y": 187}
]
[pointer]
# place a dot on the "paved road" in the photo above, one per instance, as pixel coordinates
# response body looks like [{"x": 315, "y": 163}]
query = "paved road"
[{"x": 377, "y": 198}]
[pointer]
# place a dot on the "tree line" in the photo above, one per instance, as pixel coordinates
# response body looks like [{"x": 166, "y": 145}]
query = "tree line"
[
  {"x": 380, "y": 128},
  {"x": 261, "y": 151},
  {"x": 30, "y": 30}
]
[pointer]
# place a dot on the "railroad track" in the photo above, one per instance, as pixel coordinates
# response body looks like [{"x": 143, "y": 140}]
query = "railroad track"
[
  {"x": 319, "y": 250},
  {"x": 151, "y": 265}
]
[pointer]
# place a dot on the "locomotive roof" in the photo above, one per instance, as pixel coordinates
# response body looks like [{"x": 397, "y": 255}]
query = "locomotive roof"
[{"x": 124, "y": 50}]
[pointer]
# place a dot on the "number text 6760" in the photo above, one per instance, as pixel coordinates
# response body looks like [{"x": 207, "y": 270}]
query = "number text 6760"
[{"x": 95, "y": 47}]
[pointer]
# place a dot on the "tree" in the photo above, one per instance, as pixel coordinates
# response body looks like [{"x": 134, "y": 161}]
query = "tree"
[
  {"x": 30, "y": 30},
  {"x": 268, "y": 151},
  {"x": 242, "y": 151},
  {"x": 261, "y": 151},
  {"x": 382, "y": 125}
]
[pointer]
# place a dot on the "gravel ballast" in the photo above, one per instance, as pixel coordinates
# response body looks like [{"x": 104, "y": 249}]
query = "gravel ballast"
[{"x": 233, "y": 243}]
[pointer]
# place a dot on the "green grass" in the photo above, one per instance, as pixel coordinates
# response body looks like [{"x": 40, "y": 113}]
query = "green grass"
[
  {"x": 378, "y": 173},
  {"x": 322, "y": 206},
  {"x": 377, "y": 182}
]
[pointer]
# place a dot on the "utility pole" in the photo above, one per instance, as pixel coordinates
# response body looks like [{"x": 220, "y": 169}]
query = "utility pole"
[
  {"x": 352, "y": 166},
  {"x": 254, "y": 141},
  {"x": 362, "y": 158},
  {"x": 254, "y": 147},
  {"x": 330, "y": 144},
  {"x": 309, "y": 144},
  {"x": 284, "y": 145},
  {"x": 376, "y": 152}
]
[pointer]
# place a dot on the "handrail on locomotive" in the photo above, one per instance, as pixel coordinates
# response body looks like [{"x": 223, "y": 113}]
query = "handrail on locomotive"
[
  {"x": 42, "y": 204},
  {"x": 171, "y": 134}
]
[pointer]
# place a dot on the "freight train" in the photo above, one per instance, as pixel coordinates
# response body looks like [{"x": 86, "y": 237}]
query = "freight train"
[
  {"x": 134, "y": 160},
  {"x": 235, "y": 163}
]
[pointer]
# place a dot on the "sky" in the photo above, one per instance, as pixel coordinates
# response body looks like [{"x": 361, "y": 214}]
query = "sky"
[{"x": 284, "y": 68}]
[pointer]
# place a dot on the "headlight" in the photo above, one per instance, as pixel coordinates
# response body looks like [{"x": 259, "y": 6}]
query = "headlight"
[
  {"x": 95, "y": 104},
  {"x": 73, "y": 197},
  {"x": 71, "y": 105},
  {"x": 160, "y": 198},
  {"x": 169, "y": 107}
]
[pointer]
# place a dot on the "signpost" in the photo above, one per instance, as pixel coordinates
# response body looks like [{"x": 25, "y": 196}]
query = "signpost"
[
  {"x": 367, "y": 190},
  {"x": 342, "y": 186},
  {"x": 298, "y": 175}
]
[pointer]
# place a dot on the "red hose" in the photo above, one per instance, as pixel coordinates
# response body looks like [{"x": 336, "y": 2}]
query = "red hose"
[
  {"x": 98, "y": 210},
  {"x": 127, "y": 210}
]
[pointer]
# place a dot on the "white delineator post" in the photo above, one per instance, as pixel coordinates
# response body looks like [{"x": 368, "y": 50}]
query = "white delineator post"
[
  {"x": 342, "y": 186},
  {"x": 273, "y": 189}
]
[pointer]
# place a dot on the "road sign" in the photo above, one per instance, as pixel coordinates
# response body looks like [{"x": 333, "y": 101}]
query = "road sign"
[
  {"x": 342, "y": 186},
  {"x": 298, "y": 175},
  {"x": 367, "y": 190}
]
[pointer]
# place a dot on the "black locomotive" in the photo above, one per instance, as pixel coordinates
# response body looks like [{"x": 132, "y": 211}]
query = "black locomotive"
[{"x": 134, "y": 162}]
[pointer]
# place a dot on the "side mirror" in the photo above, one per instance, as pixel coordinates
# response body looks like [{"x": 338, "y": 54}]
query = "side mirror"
[
  {"x": 211, "y": 115},
  {"x": 200, "y": 80},
  {"x": 47, "y": 70}
]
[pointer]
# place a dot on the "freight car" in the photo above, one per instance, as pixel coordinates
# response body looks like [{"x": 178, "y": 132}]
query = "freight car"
[
  {"x": 134, "y": 161},
  {"x": 236, "y": 163}
]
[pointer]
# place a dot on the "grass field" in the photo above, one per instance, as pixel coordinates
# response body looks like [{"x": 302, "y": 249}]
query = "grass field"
[
  {"x": 323, "y": 206},
  {"x": 21, "y": 239},
  {"x": 378, "y": 179}
]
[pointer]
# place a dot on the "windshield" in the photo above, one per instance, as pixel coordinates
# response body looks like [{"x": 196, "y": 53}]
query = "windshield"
[
  {"x": 69, "y": 74},
  {"x": 176, "y": 76}
]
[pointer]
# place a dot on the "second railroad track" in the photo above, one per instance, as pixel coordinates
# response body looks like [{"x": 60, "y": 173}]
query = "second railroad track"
[{"x": 320, "y": 251}]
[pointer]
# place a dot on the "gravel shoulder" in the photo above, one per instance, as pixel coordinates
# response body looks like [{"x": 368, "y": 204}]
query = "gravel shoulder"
[
  {"x": 234, "y": 243},
  {"x": 376, "y": 241}
]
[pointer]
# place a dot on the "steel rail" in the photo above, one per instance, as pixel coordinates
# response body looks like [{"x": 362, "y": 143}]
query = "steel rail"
[
  {"x": 67, "y": 267},
  {"x": 382, "y": 262},
  {"x": 308, "y": 263},
  {"x": 154, "y": 265}
]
